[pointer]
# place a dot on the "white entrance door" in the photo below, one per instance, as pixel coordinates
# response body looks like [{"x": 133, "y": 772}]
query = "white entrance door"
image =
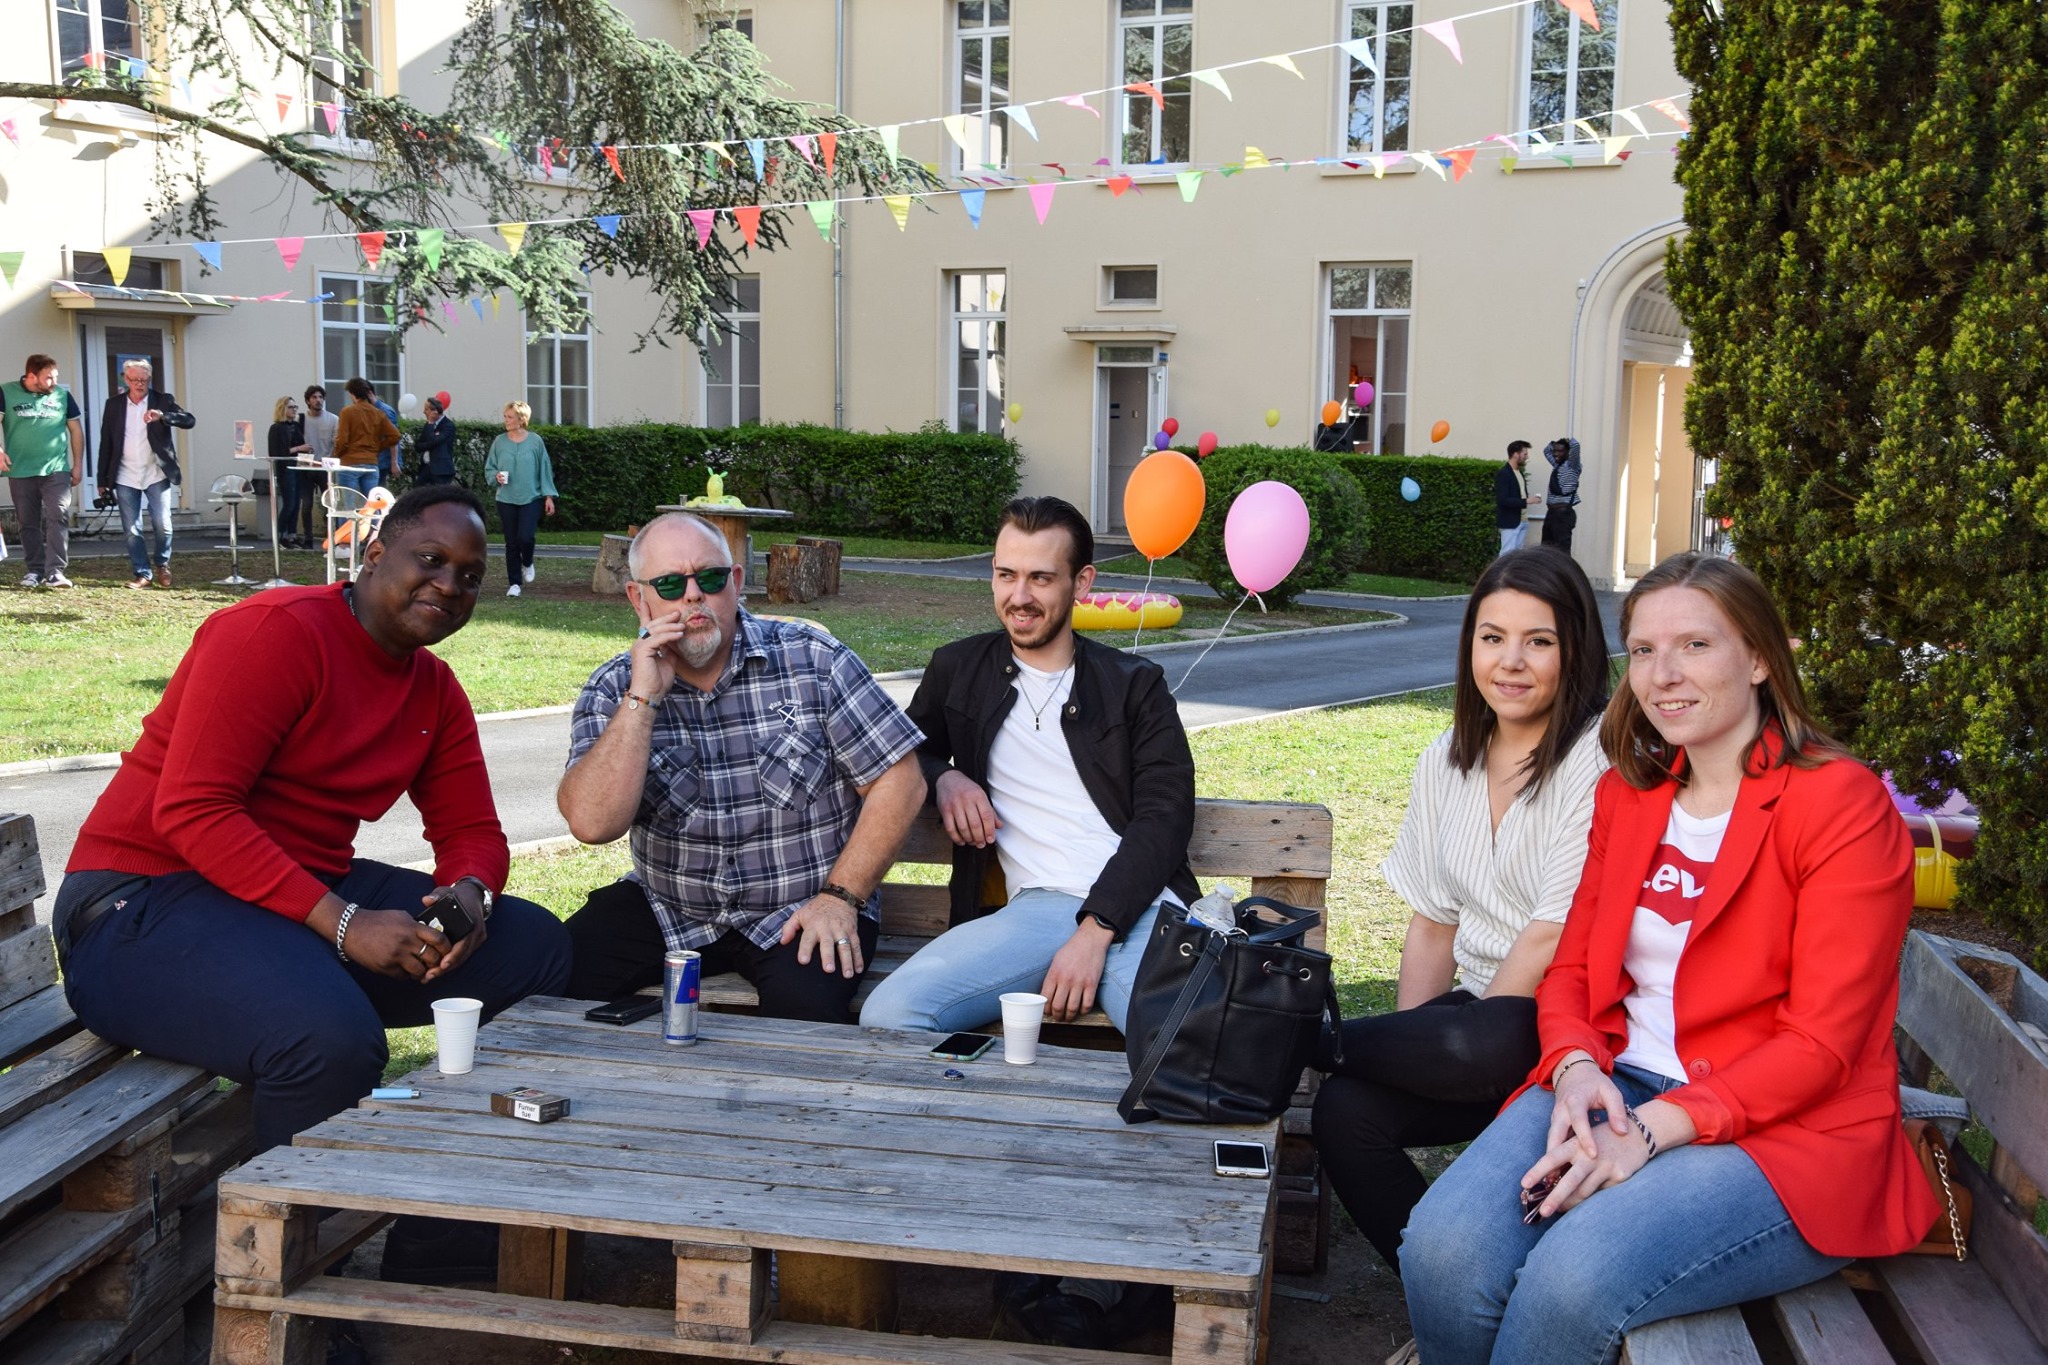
[
  {"x": 1130, "y": 403},
  {"x": 110, "y": 343}
]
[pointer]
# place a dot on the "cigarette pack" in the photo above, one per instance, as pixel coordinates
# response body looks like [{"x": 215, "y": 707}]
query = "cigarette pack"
[{"x": 535, "y": 1106}]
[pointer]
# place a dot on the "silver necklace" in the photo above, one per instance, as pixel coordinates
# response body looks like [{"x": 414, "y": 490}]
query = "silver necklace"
[{"x": 1038, "y": 711}]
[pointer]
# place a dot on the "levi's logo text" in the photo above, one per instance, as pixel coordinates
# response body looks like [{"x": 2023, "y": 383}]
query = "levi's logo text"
[{"x": 1674, "y": 886}]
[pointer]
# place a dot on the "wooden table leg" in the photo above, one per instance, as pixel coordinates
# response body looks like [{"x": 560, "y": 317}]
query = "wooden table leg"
[
  {"x": 268, "y": 1248},
  {"x": 721, "y": 1292},
  {"x": 540, "y": 1263},
  {"x": 243, "y": 1336},
  {"x": 836, "y": 1291},
  {"x": 1215, "y": 1325}
]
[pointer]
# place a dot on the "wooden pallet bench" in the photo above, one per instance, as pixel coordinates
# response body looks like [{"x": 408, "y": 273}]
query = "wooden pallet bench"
[
  {"x": 1279, "y": 848},
  {"x": 107, "y": 1162},
  {"x": 1980, "y": 1017}
]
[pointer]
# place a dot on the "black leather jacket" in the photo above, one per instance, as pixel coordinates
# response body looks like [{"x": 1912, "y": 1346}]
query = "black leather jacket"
[
  {"x": 114, "y": 435},
  {"x": 1124, "y": 732}
]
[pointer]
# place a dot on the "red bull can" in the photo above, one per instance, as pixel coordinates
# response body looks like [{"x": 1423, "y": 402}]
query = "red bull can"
[{"x": 681, "y": 975}]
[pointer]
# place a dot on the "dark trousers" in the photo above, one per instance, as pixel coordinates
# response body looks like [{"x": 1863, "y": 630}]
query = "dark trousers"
[
  {"x": 521, "y": 521},
  {"x": 287, "y": 496},
  {"x": 619, "y": 948},
  {"x": 1425, "y": 1077},
  {"x": 185, "y": 971},
  {"x": 1558, "y": 525},
  {"x": 312, "y": 512}
]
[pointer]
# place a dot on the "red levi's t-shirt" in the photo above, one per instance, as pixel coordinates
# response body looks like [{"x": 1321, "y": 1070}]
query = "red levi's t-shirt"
[
  {"x": 283, "y": 729},
  {"x": 1672, "y": 889}
]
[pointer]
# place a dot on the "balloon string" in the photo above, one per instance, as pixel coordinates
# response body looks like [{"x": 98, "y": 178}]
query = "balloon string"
[
  {"x": 1221, "y": 632},
  {"x": 1150, "y": 565}
]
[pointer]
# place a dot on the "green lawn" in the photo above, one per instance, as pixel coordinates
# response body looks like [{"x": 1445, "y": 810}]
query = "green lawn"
[{"x": 1383, "y": 585}]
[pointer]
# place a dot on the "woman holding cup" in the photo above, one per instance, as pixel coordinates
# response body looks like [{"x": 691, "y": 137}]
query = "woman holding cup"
[
  {"x": 521, "y": 475},
  {"x": 1715, "y": 1116}
]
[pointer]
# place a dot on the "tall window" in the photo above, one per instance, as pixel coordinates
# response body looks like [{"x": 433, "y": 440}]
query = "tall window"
[
  {"x": 549, "y": 84},
  {"x": 732, "y": 386},
  {"x": 1571, "y": 69},
  {"x": 982, "y": 46},
  {"x": 978, "y": 324},
  {"x": 1376, "y": 102},
  {"x": 1367, "y": 311},
  {"x": 358, "y": 336},
  {"x": 344, "y": 59},
  {"x": 1158, "y": 39},
  {"x": 110, "y": 28},
  {"x": 558, "y": 373}
]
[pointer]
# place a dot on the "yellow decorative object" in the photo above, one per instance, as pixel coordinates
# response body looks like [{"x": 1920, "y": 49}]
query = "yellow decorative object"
[
  {"x": 1126, "y": 610},
  {"x": 714, "y": 487},
  {"x": 1934, "y": 872}
]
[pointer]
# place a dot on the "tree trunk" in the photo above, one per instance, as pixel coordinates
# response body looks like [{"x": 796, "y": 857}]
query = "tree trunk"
[
  {"x": 795, "y": 573},
  {"x": 828, "y": 581},
  {"x": 610, "y": 575}
]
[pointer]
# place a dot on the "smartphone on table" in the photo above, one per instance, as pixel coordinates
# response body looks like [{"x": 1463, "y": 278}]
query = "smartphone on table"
[
  {"x": 963, "y": 1047},
  {"x": 624, "y": 1010},
  {"x": 1242, "y": 1158}
]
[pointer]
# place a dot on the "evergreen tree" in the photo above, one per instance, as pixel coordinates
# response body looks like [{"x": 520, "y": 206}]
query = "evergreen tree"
[
  {"x": 540, "y": 88},
  {"x": 1864, "y": 279}
]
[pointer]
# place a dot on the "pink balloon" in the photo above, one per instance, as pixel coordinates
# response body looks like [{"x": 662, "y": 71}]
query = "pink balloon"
[
  {"x": 1265, "y": 534},
  {"x": 1361, "y": 393},
  {"x": 1206, "y": 446}
]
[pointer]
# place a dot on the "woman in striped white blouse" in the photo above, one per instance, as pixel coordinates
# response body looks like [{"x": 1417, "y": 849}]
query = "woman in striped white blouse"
[{"x": 1487, "y": 858}]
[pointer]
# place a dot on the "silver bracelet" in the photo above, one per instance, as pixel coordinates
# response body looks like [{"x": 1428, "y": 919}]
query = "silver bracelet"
[{"x": 341, "y": 930}]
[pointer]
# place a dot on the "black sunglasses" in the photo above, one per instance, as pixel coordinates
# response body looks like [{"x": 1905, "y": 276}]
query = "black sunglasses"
[{"x": 673, "y": 585}]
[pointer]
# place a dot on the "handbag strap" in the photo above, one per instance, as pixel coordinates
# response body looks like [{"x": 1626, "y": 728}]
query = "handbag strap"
[
  {"x": 1296, "y": 920},
  {"x": 1141, "y": 1075}
]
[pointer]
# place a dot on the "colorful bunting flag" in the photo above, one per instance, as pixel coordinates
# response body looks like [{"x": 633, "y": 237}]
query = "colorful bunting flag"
[
  {"x": 117, "y": 258},
  {"x": 1592, "y": 134},
  {"x": 332, "y": 114},
  {"x": 1285, "y": 63},
  {"x": 1461, "y": 162},
  {"x": 1117, "y": 185},
  {"x": 804, "y": 143},
  {"x": 1077, "y": 102},
  {"x": 611, "y": 154},
  {"x": 608, "y": 224},
  {"x": 431, "y": 240},
  {"x": 1254, "y": 159},
  {"x": 973, "y": 201},
  {"x": 478, "y": 305},
  {"x": 748, "y": 216},
  {"x": 1214, "y": 79},
  {"x": 1588, "y": 15},
  {"x": 1383, "y": 163},
  {"x": 547, "y": 159},
  {"x": 289, "y": 248},
  {"x": 1670, "y": 111},
  {"x": 956, "y": 128},
  {"x": 284, "y": 107},
  {"x": 137, "y": 68},
  {"x": 278, "y": 297},
  {"x": 892, "y": 137},
  {"x": 828, "y": 147},
  {"x": 208, "y": 252},
  {"x": 1149, "y": 91},
  {"x": 1429, "y": 159},
  {"x": 1022, "y": 118},
  {"x": 702, "y": 220},
  {"x": 1445, "y": 31},
  {"x": 821, "y": 217},
  {"x": 1508, "y": 162},
  {"x": 494, "y": 305},
  {"x": 1361, "y": 52},
  {"x": 719, "y": 148},
  {"x": 1611, "y": 147},
  {"x": 448, "y": 309},
  {"x": 373, "y": 246},
  {"x": 1190, "y": 181},
  {"x": 515, "y": 237},
  {"x": 757, "y": 152},
  {"x": 899, "y": 209},
  {"x": 1041, "y": 200},
  {"x": 10, "y": 265},
  {"x": 1635, "y": 120},
  {"x": 7, "y": 127}
]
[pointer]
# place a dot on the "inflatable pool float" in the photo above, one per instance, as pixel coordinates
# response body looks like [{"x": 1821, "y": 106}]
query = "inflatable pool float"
[
  {"x": 1126, "y": 611},
  {"x": 1942, "y": 837}
]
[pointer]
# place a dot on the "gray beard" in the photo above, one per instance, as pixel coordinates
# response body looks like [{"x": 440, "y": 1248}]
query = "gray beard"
[{"x": 699, "y": 649}]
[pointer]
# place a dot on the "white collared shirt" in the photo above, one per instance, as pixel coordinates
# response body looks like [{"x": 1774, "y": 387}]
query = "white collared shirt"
[{"x": 139, "y": 468}]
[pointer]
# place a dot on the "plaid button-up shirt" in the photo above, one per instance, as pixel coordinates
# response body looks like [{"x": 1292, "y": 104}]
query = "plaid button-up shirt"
[{"x": 750, "y": 791}]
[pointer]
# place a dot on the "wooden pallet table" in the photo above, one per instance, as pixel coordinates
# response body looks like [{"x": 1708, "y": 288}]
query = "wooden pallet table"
[{"x": 841, "y": 1151}]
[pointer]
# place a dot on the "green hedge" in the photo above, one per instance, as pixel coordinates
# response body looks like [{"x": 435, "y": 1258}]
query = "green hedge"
[
  {"x": 922, "y": 485},
  {"x": 1447, "y": 533},
  {"x": 1336, "y": 511}
]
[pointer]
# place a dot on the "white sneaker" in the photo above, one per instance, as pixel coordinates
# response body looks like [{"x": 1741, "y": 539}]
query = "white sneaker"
[
  {"x": 56, "y": 580},
  {"x": 512, "y": 591},
  {"x": 31, "y": 580},
  {"x": 529, "y": 574}
]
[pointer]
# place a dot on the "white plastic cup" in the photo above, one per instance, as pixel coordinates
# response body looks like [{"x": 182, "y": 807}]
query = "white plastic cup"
[
  {"x": 504, "y": 477},
  {"x": 455, "y": 1022},
  {"x": 1023, "y": 1011}
]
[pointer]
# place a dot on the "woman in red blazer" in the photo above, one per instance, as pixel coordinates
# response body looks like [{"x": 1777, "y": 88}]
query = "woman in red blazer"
[{"x": 1715, "y": 1117}]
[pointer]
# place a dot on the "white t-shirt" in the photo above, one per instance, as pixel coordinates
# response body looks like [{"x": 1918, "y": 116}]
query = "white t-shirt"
[
  {"x": 1051, "y": 837},
  {"x": 1671, "y": 894},
  {"x": 139, "y": 468}
]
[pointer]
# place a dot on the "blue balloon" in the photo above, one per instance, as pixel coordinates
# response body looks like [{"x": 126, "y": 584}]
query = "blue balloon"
[
  {"x": 1160, "y": 440},
  {"x": 1410, "y": 489}
]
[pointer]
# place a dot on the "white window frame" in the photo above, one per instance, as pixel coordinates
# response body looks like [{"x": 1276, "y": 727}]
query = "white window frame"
[
  {"x": 551, "y": 394},
  {"x": 986, "y": 125},
  {"x": 95, "y": 115},
  {"x": 991, "y": 405},
  {"x": 335, "y": 40},
  {"x": 1326, "y": 366},
  {"x": 1158, "y": 20},
  {"x": 361, "y": 326},
  {"x": 95, "y": 12},
  {"x": 558, "y": 170},
  {"x": 1110, "y": 302},
  {"x": 738, "y": 321},
  {"x": 1347, "y": 65},
  {"x": 1573, "y": 140}
]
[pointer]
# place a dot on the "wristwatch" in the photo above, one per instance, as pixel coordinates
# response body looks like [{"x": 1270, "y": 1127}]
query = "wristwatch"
[
  {"x": 488, "y": 898},
  {"x": 1101, "y": 921}
]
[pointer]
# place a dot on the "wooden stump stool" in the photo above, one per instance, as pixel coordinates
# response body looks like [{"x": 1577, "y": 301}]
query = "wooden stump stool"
[
  {"x": 796, "y": 573},
  {"x": 829, "y": 551},
  {"x": 611, "y": 574}
]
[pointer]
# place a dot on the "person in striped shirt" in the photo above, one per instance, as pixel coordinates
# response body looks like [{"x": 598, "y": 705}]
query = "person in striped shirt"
[{"x": 1487, "y": 859}]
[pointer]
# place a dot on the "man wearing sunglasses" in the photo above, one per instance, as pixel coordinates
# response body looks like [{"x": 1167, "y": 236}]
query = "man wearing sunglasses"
[{"x": 766, "y": 780}]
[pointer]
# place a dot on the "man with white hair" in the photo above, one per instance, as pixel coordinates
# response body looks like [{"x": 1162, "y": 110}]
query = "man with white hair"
[
  {"x": 766, "y": 780},
  {"x": 138, "y": 467}
]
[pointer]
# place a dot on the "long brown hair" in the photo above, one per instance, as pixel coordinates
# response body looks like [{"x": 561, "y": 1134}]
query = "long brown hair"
[
  {"x": 1557, "y": 581},
  {"x": 1633, "y": 745}
]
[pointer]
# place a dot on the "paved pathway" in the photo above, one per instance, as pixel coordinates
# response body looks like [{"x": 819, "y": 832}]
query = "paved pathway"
[{"x": 1237, "y": 681}]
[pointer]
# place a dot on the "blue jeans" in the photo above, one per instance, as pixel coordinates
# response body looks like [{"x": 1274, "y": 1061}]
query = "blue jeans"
[
  {"x": 956, "y": 981},
  {"x": 157, "y": 499},
  {"x": 1697, "y": 1228},
  {"x": 185, "y": 971},
  {"x": 361, "y": 479}
]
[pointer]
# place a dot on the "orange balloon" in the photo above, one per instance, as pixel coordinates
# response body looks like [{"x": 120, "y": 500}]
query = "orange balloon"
[
  {"x": 1332, "y": 410},
  {"x": 1163, "y": 503},
  {"x": 1439, "y": 431}
]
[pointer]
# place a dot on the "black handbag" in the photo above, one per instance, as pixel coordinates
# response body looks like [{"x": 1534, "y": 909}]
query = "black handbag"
[{"x": 1221, "y": 1025}]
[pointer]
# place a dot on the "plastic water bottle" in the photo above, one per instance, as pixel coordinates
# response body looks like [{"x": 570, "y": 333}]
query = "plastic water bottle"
[{"x": 1216, "y": 910}]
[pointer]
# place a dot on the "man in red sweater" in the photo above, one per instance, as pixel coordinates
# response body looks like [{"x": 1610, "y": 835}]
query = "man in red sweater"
[{"x": 214, "y": 912}]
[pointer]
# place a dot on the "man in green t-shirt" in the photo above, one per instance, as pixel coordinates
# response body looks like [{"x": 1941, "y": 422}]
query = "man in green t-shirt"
[{"x": 41, "y": 441}]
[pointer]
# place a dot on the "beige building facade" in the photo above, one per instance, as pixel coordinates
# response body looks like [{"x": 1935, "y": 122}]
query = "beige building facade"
[{"x": 1521, "y": 305}]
